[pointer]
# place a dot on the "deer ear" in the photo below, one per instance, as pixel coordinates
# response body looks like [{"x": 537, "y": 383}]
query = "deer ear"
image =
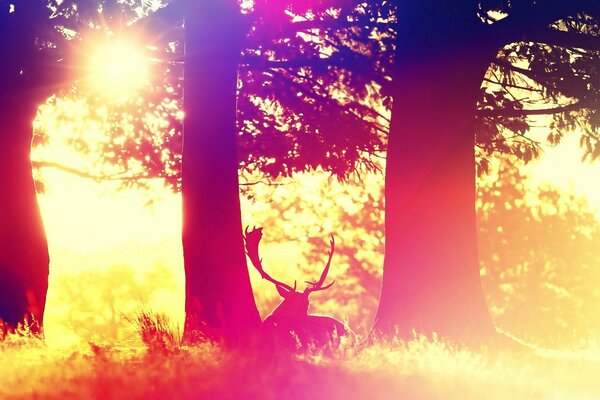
[{"x": 283, "y": 292}]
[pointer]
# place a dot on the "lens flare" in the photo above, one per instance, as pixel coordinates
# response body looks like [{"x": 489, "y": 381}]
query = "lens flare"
[{"x": 118, "y": 69}]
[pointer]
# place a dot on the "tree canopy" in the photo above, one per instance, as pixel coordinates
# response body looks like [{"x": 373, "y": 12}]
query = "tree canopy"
[
  {"x": 315, "y": 87},
  {"x": 295, "y": 112}
]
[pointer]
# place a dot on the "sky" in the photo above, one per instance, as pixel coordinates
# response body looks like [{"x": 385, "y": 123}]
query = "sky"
[{"x": 562, "y": 167}]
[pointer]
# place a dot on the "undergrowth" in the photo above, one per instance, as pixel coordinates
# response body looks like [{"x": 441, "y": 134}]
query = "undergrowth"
[
  {"x": 26, "y": 333},
  {"x": 165, "y": 368},
  {"x": 157, "y": 332}
]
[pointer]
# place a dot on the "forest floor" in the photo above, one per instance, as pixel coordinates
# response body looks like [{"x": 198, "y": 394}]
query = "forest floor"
[{"x": 418, "y": 369}]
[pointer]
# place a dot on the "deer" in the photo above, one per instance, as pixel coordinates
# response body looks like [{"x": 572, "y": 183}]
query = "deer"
[{"x": 290, "y": 324}]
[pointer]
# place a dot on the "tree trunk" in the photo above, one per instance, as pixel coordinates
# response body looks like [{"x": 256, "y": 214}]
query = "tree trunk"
[
  {"x": 219, "y": 298},
  {"x": 24, "y": 260},
  {"x": 431, "y": 279}
]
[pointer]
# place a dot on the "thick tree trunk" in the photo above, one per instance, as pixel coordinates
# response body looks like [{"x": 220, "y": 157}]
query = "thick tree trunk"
[
  {"x": 431, "y": 279},
  {"x": 219, "y": 298},
  {"x": 24, "y": 256}
]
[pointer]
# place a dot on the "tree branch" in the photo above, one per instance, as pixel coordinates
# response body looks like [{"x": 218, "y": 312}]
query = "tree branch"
[
  {"x": 98, "y": 178},
  {"x": 309, "y": 62},
  {"x": 523, "y": 71},
  {"x": 503, "y": 112},
  {"x": 293, "y": 28},
  {"x": 126, "y": 178},
  {"x": 565, "y": 39},
  {"x": 518, "y": 24},
  {"x": 512, "y": 86}
]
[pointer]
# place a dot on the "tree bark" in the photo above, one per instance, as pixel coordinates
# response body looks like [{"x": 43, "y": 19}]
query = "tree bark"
[
  {"x": 24, "y": 259},
  {"x": 219, "y": 298},
  {"x": 431, "y": 281}
]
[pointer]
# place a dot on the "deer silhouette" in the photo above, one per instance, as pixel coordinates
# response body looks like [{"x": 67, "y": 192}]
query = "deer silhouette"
[{"x": 290, "y": 324}]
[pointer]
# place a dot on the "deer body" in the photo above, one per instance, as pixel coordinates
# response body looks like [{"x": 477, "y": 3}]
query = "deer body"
[
  {"x": 301, "y": 332},
  {"x": 290, "y": 324}
]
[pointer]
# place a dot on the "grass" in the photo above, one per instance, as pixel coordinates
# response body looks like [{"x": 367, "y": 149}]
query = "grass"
[
  {"x": 156, "y": 332},
  {"x": 418, "y": 369}
]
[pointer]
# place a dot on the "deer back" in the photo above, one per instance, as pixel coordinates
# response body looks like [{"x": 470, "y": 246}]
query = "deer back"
[{"x": 304, "y": 332}]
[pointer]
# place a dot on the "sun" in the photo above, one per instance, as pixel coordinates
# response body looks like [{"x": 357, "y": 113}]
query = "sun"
[{"x": 118, "y": 69}]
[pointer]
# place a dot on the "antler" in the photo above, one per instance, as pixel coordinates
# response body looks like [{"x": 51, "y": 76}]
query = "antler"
[
  {"x": 252, "y": 240},
  {"x": 316, "y": 286}
]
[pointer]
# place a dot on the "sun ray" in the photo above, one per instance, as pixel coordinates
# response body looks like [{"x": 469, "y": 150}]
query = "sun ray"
[{"x": 117, "y": 69}]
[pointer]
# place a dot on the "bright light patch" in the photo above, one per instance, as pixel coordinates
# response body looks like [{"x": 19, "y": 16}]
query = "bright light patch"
[{"x": 118, "y": 69}]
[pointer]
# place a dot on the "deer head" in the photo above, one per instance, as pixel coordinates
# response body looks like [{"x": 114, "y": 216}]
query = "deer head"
[{"x": 295, "y": 303}]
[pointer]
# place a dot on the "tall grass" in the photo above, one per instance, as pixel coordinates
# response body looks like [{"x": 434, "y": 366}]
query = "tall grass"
[
  {"x": 417, "y": 369},
  {"x": 157, "y": 332}
]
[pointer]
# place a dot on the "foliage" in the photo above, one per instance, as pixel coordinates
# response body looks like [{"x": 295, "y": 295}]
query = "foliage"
[
  {"x": 156, "y": 332},
  {"x": 538, "y": 251},
  {"x": 32, "y": 66},
  {"x": 107, "y": 311},
  {"x": 543, "y": 75},
  {"x": 289, "y": 118},
  {"x": 25, "y": 333},
  {"x": 539, "y": 260},
  {"x": 140, "y": 123},
  {"x": 315, "y": 85},
  {"x": 301, "y": 214},
  {"x": 42, "y": 33},
  {"x": 547, "y": 70}
]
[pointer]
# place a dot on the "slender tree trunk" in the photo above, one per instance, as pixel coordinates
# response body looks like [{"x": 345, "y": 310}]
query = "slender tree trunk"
[
  {"x": 431, "y": 279},
  {"x": 219, "y": 298},
  {"x": 24, "y": 260}
]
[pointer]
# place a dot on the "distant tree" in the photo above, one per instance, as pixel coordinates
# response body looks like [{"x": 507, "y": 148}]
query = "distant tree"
[
  {"x": 539, "y": 259},
  {"x": 301, "y": 214},
  {"x": 537, "y": 244},
  {"x": 104, "y": 311}
]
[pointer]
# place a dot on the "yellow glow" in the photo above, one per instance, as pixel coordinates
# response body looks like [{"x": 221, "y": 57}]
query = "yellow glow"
[
  {"x": 118, "y": 69},
  {"x": 94, "y": 229},
  {"x": 561, "y": 166}
]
